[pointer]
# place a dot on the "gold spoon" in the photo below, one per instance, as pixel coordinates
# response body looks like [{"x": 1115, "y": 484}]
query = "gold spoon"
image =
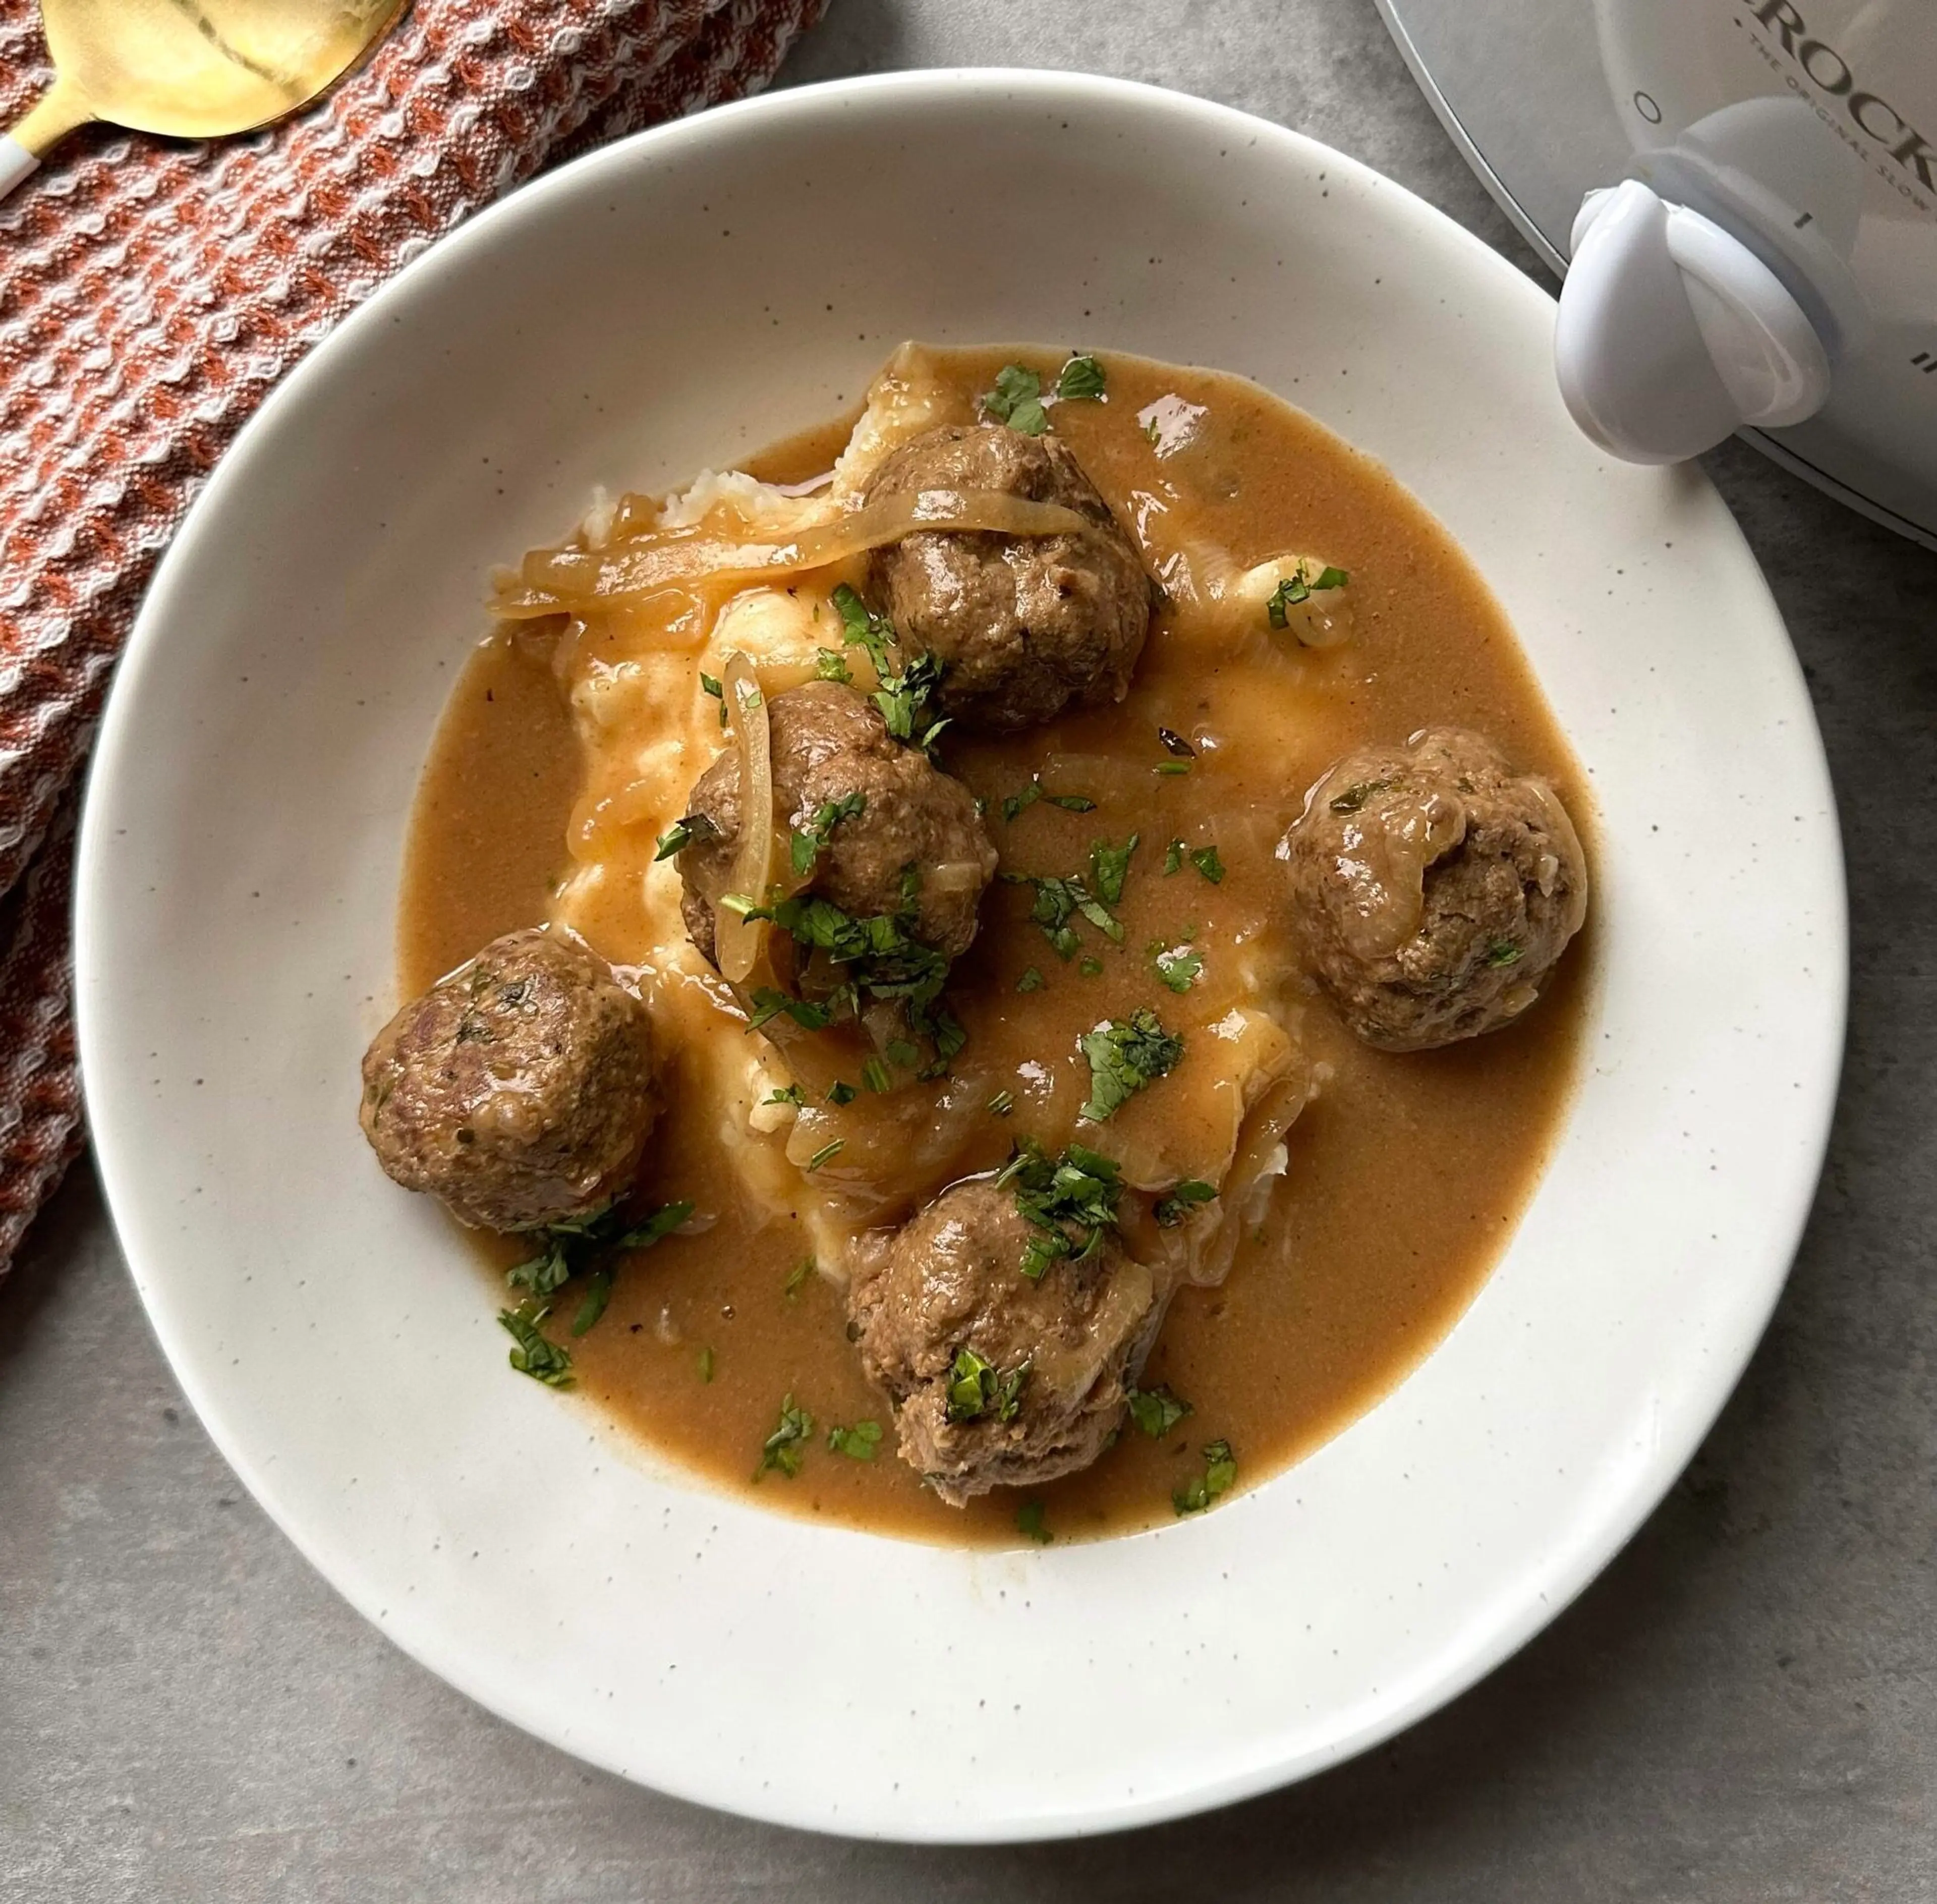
[{"x": 191, "y": 69}]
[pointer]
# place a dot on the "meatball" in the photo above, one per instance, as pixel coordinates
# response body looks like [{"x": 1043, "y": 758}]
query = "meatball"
[
  {"x": 519, "y": 1089},
  {"x": 1434, "y": 888},
  {"x": 947, "y": 1318},
  {"x": 1024, "y": 626},
  {"x": 830, "y": 745}
]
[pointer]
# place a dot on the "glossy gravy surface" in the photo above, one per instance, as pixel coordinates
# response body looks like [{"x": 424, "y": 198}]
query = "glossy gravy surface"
[{"x": 1406, "y": 1176}]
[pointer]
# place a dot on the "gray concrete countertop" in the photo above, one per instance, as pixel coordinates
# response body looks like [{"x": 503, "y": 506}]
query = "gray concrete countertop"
[{"x": 1742, "y": 1711}]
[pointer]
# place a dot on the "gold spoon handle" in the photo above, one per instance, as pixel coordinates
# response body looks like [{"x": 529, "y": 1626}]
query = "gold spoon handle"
[{"x": 58, "y": 111}]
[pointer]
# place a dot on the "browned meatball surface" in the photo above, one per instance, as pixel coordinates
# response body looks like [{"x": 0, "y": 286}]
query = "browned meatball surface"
[
  {"x": 830, "y": 745},
  {"x": 1433, "y": 888},
  {"x": 519, "y": 1089},
  {"x": 1024, "y": 626},
  {"x": 952, "y": 1282}
]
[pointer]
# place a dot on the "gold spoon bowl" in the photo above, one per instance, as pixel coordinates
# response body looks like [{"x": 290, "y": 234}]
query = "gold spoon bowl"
[{"x": 191, "y": 69}]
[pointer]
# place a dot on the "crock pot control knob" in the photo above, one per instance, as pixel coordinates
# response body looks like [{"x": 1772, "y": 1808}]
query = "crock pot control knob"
[{"x": 1673, "y": 334}]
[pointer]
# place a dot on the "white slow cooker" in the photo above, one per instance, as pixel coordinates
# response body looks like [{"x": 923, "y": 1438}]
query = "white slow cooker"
[{"x": 1743, "y": 195}]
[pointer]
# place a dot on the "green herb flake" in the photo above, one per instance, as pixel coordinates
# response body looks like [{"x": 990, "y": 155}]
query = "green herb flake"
[
  {"x": 782, "y": 1450},
  {"x": 592, "y": 1305},
  {"x": 831, "y": 665},
  {"x": 1017, "y": 400},
  {"x": 1184, "y": 1197},
  {"x": 787, "y": 1094},
  {"x": 534, "y": 1355},
  {"x": 901, "y": 1052},
  {"x": 1070, "y": 1202},
  {"x": 826, "y": 1153},
  {"x": 808, "y": 846},
  {"x": 1173, "y": 858},
  {"x": 712, "y": 685},
  {"x": 680, "y": 835},
  {"x": 797, "y": 1277},
  {"x": 841, "y": 1092},
  {"x": 1156, "y": 1410},
  {"x": 1356, "y": 796},
  {"x": 874, "y": 1075},
  {"x": 902, "y": 698},
  {"x": 1172, "y": 769},
  {"x": 1205, "y": 859},
  {"x": 706, "y": 1365},
  {"x": 1072, "y": 802},
  {"x": 1002, "y": 1103},
  {"x": 858, "y": 1443},
  {"x": 1029, "y": 1524},
  {"x": 976, "y": 1387},
  {"x": 1031, "y": 980},
  {"x": 1505, "y": 952},
  {"x": 1091, "y": 968},
  {"x": 1299, "y": 586},
  {"x": 1220, "y": 1471},
  {"x": 1080, "y": 380},
  {"x": 1109, "y": 866},
  {"x": 1125, "y": 1056},
  {"x": 1180, "y": 966},
  {"x": 1014, "y": 804}
]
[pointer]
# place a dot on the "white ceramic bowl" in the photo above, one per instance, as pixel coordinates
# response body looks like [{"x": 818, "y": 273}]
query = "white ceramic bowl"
[{"x": 669, "y": 303}]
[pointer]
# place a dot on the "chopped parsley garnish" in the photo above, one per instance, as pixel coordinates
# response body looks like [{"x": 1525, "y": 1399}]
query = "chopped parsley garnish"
[
  {"x": 782, "y": 1450},
  {"x": 1017, "y": 399},
  {"x": 681, "y": 834},
  {"x": 706, "y": 1365},
  {"x": 1031, "y": 980},
  {"x": 976, "y": 1387},
  {"x": 902, "y": 698},
  {"x": 1070, "y": 1201},
  {"x": 1080, "y": 380},
  {"x": 1299, "y": 586},
  {"x": 831, "y": 665},
  {"x": 1091, "y": 968},
  {"x": 1028, "y": 1522},
  {"x": 536, "y": 1355},
  {"x": 901, "y": 1052},
  {"x": 1013, "y": 804},
  {"x": 1179, "y": 966},
  {"x": 798, "y": 1275},
  {"x": 1356, "y": 796},
  {"x": 769, "y": 1004},
  {"x": 786, "y": 1094},
  {"x": 579, "y": 1243},
  {"x": 1125, "y": 1055},
  {"x": 1173, "y": 858},
  {"x": 598, "y": 1293},
  {"x": 1156, "y": 1410},
  {"x": 1002, "y": 1103},
  {"x": 1058, "y": 901},
  {"x": 1171, "y": 769},
  {"x": 711, "y": 684},
  {"x": 842, "y": 1092},
  {"x": 1220, "y": 1471},
  {"x": 808, "y": 846},
  {"x": 1171, "y": 1210},
  {"x": 826, "y": 1153},
  {"x": 874, "y": 1075},
  {"x": 1205, "y": 859},
  {"x": 1175, "y": 743},
  {"x": 858, "y": 1443},
  {"x": 1109, "y": 867},
  {"x": 879, "y": 957},
  {"x": 1505, "y": 952}
]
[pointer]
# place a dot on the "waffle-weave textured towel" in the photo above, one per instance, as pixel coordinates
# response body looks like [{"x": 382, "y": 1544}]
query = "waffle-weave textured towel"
[{"x": 149, "y": 296}]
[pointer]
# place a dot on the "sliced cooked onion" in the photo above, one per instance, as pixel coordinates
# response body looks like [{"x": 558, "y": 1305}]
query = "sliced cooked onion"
[
  {"x": 575, "y": 579},
  {"x": 739, "y": 941},
  {"x": 1260, "y": 1157}
]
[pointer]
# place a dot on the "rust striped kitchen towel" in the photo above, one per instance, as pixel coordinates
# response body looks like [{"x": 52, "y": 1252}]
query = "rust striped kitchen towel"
[{"x": 149, "y": 296}]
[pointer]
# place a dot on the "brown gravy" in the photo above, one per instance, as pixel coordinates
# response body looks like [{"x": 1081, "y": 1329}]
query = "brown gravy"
[{"x": 1407, "y": 1175}]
